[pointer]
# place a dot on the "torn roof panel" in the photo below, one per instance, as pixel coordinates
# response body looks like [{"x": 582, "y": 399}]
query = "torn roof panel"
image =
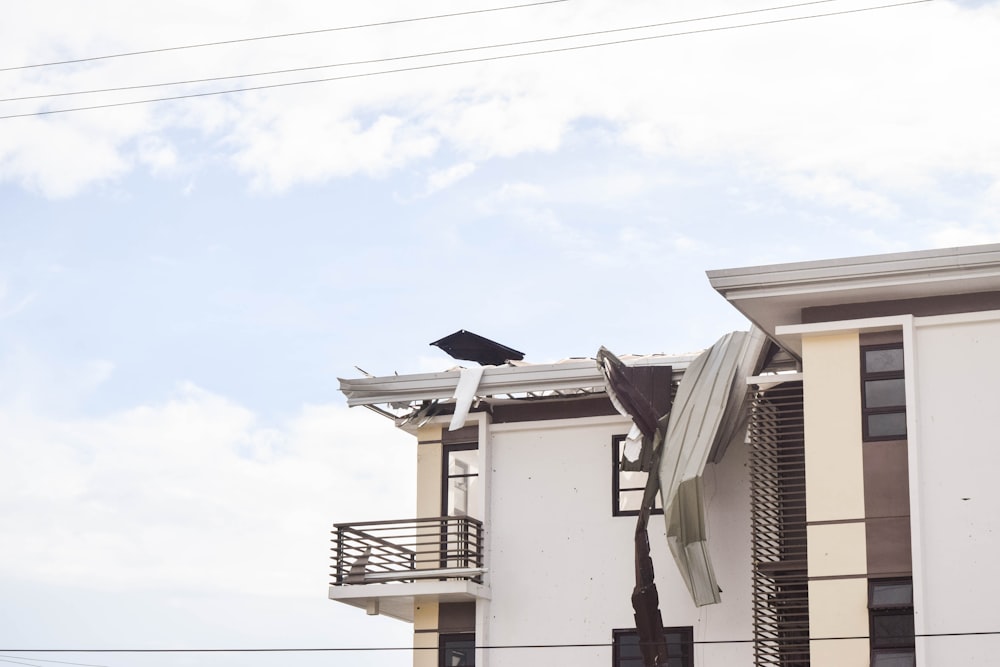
[
  {"x": 707, "y": 412},
  {"x": 469, "y": 346}
]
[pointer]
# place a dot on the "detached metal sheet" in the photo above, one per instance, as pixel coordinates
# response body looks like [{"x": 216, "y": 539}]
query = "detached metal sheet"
[{"x": 708, "y": 412}]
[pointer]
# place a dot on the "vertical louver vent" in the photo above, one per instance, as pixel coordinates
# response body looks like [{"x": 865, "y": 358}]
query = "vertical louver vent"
[{"x": 778, "y": 524}]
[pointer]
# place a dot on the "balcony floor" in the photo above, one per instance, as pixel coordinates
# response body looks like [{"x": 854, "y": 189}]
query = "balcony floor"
[{"x": 397, "y": 600}]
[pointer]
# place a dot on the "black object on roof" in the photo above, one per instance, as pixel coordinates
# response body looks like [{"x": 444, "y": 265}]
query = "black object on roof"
[{"x": 468, "y": 346}]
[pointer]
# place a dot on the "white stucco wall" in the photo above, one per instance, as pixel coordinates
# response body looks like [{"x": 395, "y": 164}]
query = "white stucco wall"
[
  {"x": 955, "y": 486},
  {"x": 561, "y": 566}
]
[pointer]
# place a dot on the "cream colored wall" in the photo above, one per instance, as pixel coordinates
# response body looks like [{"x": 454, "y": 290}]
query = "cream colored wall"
[
  {"x": 429, "y": 471},
  {"x": 425, "y": 617},
  {"x": 838, "y": 608},
  {"x": 834, "y": 467},
  {"x": 834, "y": 549},
  {"x": 425, "y": 614},
  {"x": 835, "y": 500}
]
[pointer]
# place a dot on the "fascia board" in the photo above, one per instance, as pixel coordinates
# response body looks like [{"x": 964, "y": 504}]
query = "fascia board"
[
  {"x": 872, "y": 272},
  {"x": 496, "y": 380}
]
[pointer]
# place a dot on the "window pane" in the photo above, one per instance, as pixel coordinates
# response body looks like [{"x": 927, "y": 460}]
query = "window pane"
[
  {"x": 463, "y": 462},
  {"x": 889, "y": 424},
  {"x": 457, "y": 651},
  {"x": 463, "y": 497},
  {"x": 462, "y": 484},
  {"x": 891, "y": 594},
  {"x": 885, "y": 658},
  {"x": 889, "y": 630},
  {"x": 632, "y": 480},
  {"x": 628, "y": 646},
  {"x": 885, "y": 393},
  {"x": 882, "y": 361},
  {"x": 630, "y": 501}
]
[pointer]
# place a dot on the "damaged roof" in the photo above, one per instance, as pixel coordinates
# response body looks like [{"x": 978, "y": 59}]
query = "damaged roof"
[
  {"x": 468, "y": 346},
  {"x": 513, "y": 380}
]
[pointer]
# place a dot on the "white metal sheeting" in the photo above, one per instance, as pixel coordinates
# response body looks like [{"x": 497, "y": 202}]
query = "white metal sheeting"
[
  {"x": 577, "y": 375},
  {"x": 708, "y": 413}
]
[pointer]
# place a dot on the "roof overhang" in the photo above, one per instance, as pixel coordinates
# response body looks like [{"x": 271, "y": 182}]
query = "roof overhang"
[
  {"x": 775, "y": 295},
  {"x": 565, "y": 378}
]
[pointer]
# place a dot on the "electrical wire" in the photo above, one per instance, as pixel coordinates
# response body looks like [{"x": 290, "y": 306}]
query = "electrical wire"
[
  {"x": 18, "y": 662},
  {"x": 416, "y": 55},
  {"x": 457, "y": 62},
  {"x": 61, "y": 662},
  {"x": 697, "y": 642},
  {"x": 280, "y": 36}
]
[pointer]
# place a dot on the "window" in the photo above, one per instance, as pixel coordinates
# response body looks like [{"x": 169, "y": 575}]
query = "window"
[
  {"x": 625, "y": 650},
  {"x": 883, "y": 392},
  {"x": 627, "y": 486},
  {"x": 460, "y": 479},
  {"x": 890, "y": 617},
  {"x": 457, "y": 650}
]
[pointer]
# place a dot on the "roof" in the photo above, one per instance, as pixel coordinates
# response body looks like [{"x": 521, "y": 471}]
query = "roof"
[
  {"x": 774, "y": 295},
  {"x": 564, "y": 378}
]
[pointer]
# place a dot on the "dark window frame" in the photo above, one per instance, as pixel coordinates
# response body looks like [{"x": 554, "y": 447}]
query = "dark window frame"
[
  {"x": 616, "y": 490},
  {"x": 874, "y": 376},
  {"x": 680, "y": 652},
  {"x": 886, "y": 646},
  {"x": 464, "y": 638},
  {"x": 446, "y": 477}
]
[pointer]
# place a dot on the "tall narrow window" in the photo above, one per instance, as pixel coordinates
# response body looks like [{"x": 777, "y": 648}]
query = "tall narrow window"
[
  {"x": 625, "y": 651},
  {"x": 890, "y": 615},
  {"x": 627, "y": 486},
  {"x": 883, "y": 392},
  {"x": 460, "y": 480}
]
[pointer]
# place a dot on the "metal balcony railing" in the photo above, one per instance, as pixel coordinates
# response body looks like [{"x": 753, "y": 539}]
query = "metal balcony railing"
[{"x": 446, "y": 547}]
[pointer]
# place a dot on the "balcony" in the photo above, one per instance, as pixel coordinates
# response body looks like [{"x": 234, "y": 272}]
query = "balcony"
[{"x": 385, "y": 567}]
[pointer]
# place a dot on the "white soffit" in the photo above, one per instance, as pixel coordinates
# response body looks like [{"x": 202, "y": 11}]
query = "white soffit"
[{"x": 774, "y": 295}]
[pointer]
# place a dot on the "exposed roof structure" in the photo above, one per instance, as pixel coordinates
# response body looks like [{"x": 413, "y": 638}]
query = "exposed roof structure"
[
  {"x": 521, "y": 380},
  {"x": 782, "y": 294}
]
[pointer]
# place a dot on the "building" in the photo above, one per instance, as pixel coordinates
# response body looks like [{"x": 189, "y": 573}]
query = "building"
[{"x": 827, "y": 486}]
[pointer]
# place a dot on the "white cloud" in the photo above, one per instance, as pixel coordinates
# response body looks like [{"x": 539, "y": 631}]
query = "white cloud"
[
  {"x": 891, "y": 113},
  {"x": 445, "y": 178},
  {"x": 955, "y": 234},
  {"x": 193, "y": 494}
]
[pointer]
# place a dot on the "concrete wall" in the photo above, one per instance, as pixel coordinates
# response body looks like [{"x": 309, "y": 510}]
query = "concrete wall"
[
  {"x": 561, "y": 566},
  {"x": 955, "y": 486}
]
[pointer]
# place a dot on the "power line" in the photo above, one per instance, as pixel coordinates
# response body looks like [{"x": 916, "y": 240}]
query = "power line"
[
  {"x": 356, "y": 649},
  {"x": 61, "y": 662},
  {"x": 457, "y": 62},
  {"x": 282, "y": 35},
  {"x": 417, "y": 55},
  {"x": 18, "y": 662}
]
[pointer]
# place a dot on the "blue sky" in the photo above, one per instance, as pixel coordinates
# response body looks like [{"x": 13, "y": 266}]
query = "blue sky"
[{"x": 181, "y": 283}]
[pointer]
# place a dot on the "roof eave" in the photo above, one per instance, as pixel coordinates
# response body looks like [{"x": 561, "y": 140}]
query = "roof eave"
[{"x": 774, "y": 295}]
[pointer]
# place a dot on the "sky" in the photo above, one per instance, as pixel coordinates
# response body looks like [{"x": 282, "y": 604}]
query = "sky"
[{"x": 183, "y": 281}]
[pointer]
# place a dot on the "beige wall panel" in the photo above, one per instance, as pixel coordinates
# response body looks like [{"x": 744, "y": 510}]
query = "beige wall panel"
[
  {"x": 839, "y": 653},
  {"x": 838, "y": 608},
  {"x": 429, "y": 472},
  {"x": 426, "y": 654},
  {"x": 425, "y": 617},
  {"x": 837, "y": 549},
  {"x": 834, "y": 466}
]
